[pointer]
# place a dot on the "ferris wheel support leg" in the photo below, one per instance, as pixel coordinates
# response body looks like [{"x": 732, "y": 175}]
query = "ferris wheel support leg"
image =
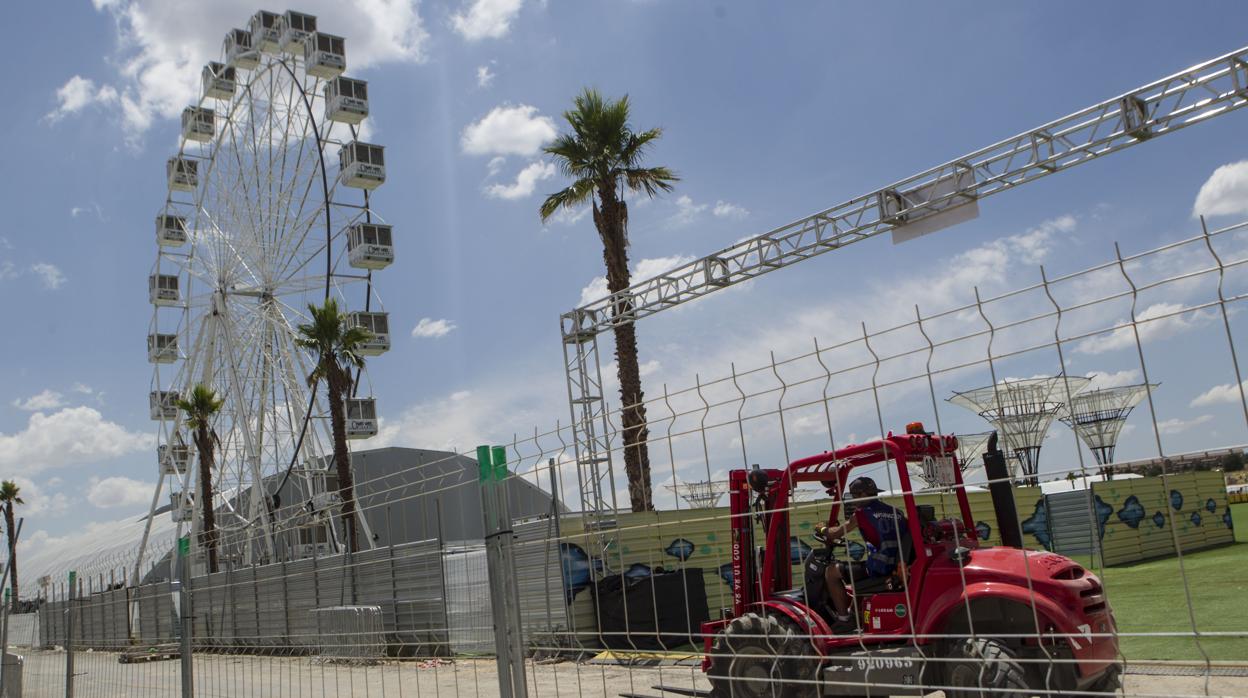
[
  {"x": 151, "y": 511},
  {"x": 365, "y": 530},
  {"x": 253, "y": 458},
  {"x": 133, "y": 606}
]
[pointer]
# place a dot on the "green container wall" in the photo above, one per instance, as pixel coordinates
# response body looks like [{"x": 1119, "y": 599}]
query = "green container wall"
[
  {"x": 1192, "y": 506},
  {"x": 648, "y": 541}
]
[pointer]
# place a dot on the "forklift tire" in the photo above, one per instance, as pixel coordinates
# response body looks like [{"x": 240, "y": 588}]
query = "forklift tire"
[
  {"x": 762, "y": 657},
  {"x": 985, "y": 668},
  {"x": 1110, "y": 682}
]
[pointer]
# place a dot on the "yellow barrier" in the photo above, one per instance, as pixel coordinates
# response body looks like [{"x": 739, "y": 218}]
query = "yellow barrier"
[
  {"x": 646, "y": 542},
  {"x": 1143, "y": 517}
]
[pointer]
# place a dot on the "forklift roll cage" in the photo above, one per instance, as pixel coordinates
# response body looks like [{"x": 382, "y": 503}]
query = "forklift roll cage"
[{"x": 832, "y": 469}]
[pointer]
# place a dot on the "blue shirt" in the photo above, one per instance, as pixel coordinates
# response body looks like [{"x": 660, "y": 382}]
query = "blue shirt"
[{"x": 884, "y": 528}]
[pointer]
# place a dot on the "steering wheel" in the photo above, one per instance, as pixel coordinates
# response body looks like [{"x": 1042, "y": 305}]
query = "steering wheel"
[{"x": 831, "y": 545}]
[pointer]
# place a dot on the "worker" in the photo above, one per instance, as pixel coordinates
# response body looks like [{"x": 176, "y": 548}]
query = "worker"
[{"x": 882, "y": 526}]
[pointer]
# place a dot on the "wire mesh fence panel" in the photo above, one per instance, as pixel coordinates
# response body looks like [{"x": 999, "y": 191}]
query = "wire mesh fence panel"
[
  {"x": 1082, "y": 574},
  {"x": 834, "y": 544}
]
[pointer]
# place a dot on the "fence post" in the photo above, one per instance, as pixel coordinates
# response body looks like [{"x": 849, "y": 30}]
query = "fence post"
[
  {"x": 500, "y": 561},
  {"x": 69, "y": 635},
  {"x": 186, "y": 617}
]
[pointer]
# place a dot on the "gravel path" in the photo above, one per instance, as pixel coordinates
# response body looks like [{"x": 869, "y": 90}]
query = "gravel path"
[{"x": 234, "y": 676}]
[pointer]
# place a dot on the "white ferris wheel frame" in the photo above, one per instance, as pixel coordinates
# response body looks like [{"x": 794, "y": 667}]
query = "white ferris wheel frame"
[{"x": 255, "y": 323}]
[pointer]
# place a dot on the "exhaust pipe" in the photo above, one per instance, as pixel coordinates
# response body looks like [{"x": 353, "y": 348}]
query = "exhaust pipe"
[{"x": 1001, "y": 486}]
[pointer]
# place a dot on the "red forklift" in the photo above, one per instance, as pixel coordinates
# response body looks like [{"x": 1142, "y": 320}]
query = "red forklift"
[{"x": 957, "y": 615}]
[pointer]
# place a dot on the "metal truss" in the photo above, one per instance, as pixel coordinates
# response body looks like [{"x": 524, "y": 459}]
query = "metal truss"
[{"x": 912, "y": 206}]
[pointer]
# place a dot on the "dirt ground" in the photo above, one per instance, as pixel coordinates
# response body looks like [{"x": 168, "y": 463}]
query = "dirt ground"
[{"x": 230, "y": 676}]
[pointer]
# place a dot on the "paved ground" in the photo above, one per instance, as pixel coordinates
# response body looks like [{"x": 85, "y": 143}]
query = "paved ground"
[{"x": 99, "y": 674}]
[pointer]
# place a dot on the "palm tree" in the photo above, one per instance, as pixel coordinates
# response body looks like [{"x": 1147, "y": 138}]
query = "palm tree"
[
  {"x": 200, "y": 407},
  {"x": 602, "y": 156},
  {"x": 8, "y": 497},
  {"x": 336, "y": 345}
]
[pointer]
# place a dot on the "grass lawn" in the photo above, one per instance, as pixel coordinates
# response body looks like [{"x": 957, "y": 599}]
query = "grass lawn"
[
  {"x": 1239, "y": 517},
  {"x": 1149, "y": 598}
]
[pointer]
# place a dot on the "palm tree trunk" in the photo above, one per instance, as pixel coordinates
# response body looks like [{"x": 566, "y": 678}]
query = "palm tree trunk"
[
  {"x": 610, "y": 221},
  {"x": 12, "y": 532},
  {"x": 208, "y": 536},
  {"x": 342, "y": 457}
]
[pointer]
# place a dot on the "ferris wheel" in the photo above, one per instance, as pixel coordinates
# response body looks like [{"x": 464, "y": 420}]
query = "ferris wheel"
[{"x": 268, "y": 210}]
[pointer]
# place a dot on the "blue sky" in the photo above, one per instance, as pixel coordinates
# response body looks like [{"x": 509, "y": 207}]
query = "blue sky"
[{"x": 768, "y": 115}]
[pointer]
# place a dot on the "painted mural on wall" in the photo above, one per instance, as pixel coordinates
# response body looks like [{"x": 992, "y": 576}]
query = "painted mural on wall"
[
  {"x": 680, "y": 549},
  {"x": 658, "y": 542},
  {"x": 1131, "y": 513},
  {"x": 1037, "y": 525},
  {"x": 1190, "y": 502},
  {"x": 1133, "y": 520}
]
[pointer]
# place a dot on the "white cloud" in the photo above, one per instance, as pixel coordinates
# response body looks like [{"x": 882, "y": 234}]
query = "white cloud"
[
  {"x": 1225, "y": 193},
  {"x": 38, "y": 500},
  {"x": 569, "y": 216},
  {"x": 91, "y": 548},
  {"x": 118, "y": 492},
  {"x": 1033, "y": 246},
  {"x": 508, "y": 130},
  {"x": 76, "y": 211},
  {"x": 485, "y": 76},
  {"x": 642, "y": 270},
  {"x": 161, "y": 45},
  {"x": 525, "y": 184},
  {"x": 1219, "y": 394},
  {"x": 52, "y": 276},
  {"x": 495, "y": 165},
  {"x": 1175, "y": 426},
  {"x": 71, "y": 436},
  {"x": 724, "y": 209},
  {"x": 9, "y": 270},
  {"x": 76, "y": 94},
  {"x": 428, "y": 328},
  {"x": 82, "y": 388},
  {"x": 486, "y": 19},
  {"x": 1102, "y": 380},
  {"x": 1157, "y": 321},
  {"x": 46, "y": 400},
  {"x": 686, "y": 211}
]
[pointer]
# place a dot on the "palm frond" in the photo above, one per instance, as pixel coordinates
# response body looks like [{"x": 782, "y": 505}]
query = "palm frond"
[
  {"x": 651, "y": 180},
  {"x": 636, "y": 146},
  {"x": 571, "y": 197},
  {"x": 353, "y": 338},
  {"x": 9, "y": 492},
  {"x": 200, "y": 406},
  {"x": 601, "y": 154},
  {"x": 571, "y": 156},
  {"x": 333, "y": 339}
]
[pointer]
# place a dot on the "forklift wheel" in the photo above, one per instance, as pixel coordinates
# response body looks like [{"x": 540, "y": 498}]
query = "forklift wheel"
[
  {"x": 1110, "y": 681},
  {"x": 762, "y": 657},
  {"x": 984, "y": 668}
]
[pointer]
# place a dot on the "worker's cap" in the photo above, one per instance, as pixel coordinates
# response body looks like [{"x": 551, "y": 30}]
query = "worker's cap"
[{"x": 863, "y": 487}]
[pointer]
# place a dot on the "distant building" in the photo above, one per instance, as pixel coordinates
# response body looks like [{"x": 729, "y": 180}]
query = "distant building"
[
  {"x": 406, "y": 494},
  {"x": 411, "y": 494},
  {"x": 1217, "y": 459}
]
